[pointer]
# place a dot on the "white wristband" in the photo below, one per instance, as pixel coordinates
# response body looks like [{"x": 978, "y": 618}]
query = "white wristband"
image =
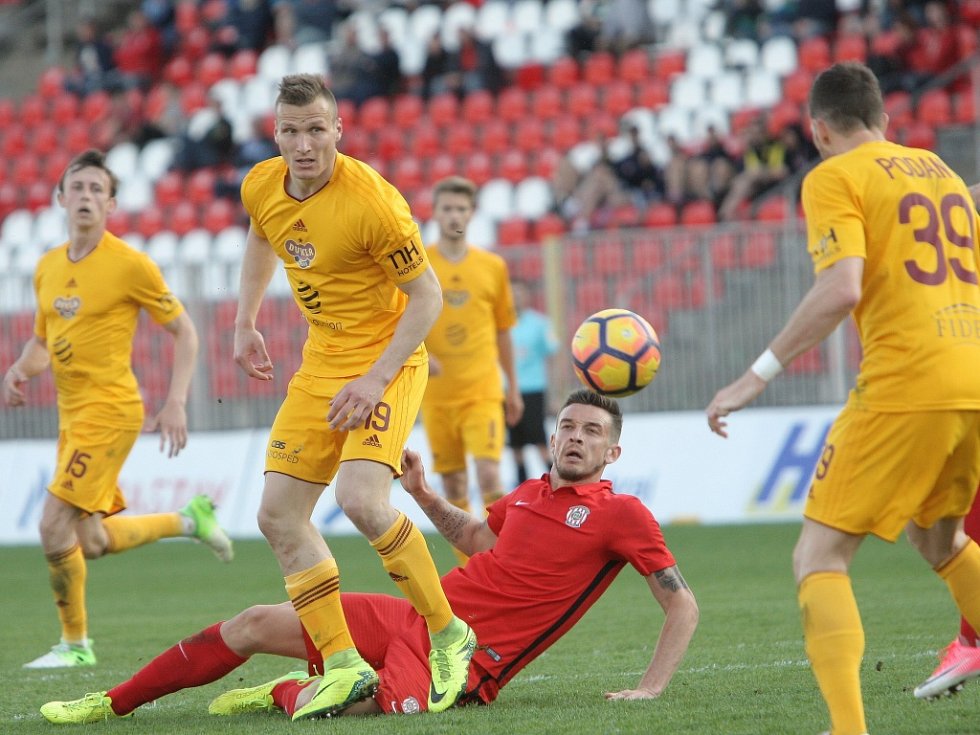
[{"x": 767, "y": 366}]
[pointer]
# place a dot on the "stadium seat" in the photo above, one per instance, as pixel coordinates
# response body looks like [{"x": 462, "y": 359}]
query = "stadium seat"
[
  {"x": 45, "y": 138},
  {"x": 660, "y": 214},
  {"x": 796, "y": 86},
  {"x": 727, "y": 90},
  {"x": 8, "y": 113},
  {"x": 546, "y": 103},
  {"x": 422, "y": 204},
  {"x": 783, "y": 114},
  {"x": 617, "y": 98},
  {"x": 688, "y": 92},
  {"x": 444, "y": 110},
  {"x": 599, "y": 68},
  {"x": 965, "y": 111},
  {"x": 407, "y": 174},
  {"x": 243, "y": 64},
  {"x": 456, "y": 17},
  {"x": 652, "y": 94},
  {"x": 608, "y": 256},
  {"x": 547, "y": 46},
  {"x": 513, "y": 166},
  {"x": 162, "y": 247},
  {"x": 773, "y": 209},
  {"x": 527, "y": 16},
  {"x": 407, "y": 111},
  {"x": 218, "y": 215},
  {"x": 274, "y": 63},
  {"x": 119, "y": 223},
  {"x": 311, "y": 58},
  {"x": 550, "y": 225},
  {"x": 494, "y": 137},
  {"x": 742, "y": 53},
  {"x": 200, "y": 186},
  {"x": 562, "y": 15},
  {"x": 25, "y": 170},
  {"x": 427, "y": 142},
  {"x": 513, "y": 231},
  {"x": 194, "y": 247},
  {"x": 566, "y": 132},
  {"x": 582, "y": 100},
  {"x": 529, "y": 134},
  {"x": 533, "y": 198},
  {"x": 496, "y": 199},
  {"x": 478, "y": 168},
  {"x": 460, "y": 140},
  {"x": 778, "y": 55},
  {"x": 545, "y": 161},
  {"x": 441, "y": 166},
  {"x": 179, "y": 71},
  {"x": 182, "y": 218},
  {"x": 150, "y": 221},
  {"x": 698, "y": 213},
  {"x": 935, "y": 108},
  {"x": 374, "y": 114},
  {"x": 633, "y": 66},
  {"x": 512, "y": 104},
  {"x": 478, "y": 107},
  {"x": 810, "y": 362},
  {"x": 64, "y": 108},
  {"x": 591, "y": 295},
  {"x": 898, "y": 105},
  {"x": 704, "y": 61},
  {"x": 850, "y": 47},
  {"x": 511, "y": 51},
  {"x": 211, "y": 69},
  {"x": 814, "y": 54},
  {"x": 762, "y": 88},
  {"x": 759, "y": 251},
  {"x": 193, "y": 97},
  {"x": 390, "y": 143},
  {"x": 668, "y": 64},
  {"x": 919, "y": 135},
  {"x": 723, "y": 251},
  {"x": 33, "y": 110}
]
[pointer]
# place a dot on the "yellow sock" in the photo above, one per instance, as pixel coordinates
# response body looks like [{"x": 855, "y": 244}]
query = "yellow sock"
[
  {"x": 407, "y": 560},
  {"x": 128, "y": 532},
  {"x": 67, "y": 571},
  {"x": 961, "y": 575},
  {"x": 835, "y": 645},
  {"x": 464, "y": 505},
  {"x": 315, "y": 594}
]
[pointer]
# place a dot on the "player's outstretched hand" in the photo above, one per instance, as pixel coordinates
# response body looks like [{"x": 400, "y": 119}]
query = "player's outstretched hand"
[
  {"x": 731, "y": 398},
  {"x": 413, "y": 474},
  {"x": 172, "y": 422},
  {"x": 251, "y": 355},
  {"x": 13, "y": 393},
  {"x": 632, "y": 694},
  {"x": 355, "y": 402}
]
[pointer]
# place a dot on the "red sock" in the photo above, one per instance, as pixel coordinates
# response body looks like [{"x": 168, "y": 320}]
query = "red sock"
[
  {"x": 971, "y": 524},
  {"x": 200, "y": 659},
  {"x": 968, "y": 635},
  {"x": 284, "y": 695}
]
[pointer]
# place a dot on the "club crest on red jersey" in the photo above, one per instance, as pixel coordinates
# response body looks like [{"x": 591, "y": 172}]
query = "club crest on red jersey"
[{"x": 577, "y": 515}]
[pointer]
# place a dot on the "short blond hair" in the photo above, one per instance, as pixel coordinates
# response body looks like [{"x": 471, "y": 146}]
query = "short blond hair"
[
  {"x": 304, "y": 89},
  {"x": 455, "y": 185}
]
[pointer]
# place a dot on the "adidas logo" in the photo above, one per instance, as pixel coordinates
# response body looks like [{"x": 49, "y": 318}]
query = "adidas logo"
[
  {"x": 298, "y": 226},
  {"x": 397, "y": 577},
  {"x": 71, "y": 284},
  {"x": 67, "y": 485},
  {"x": 372, "y": 441}
]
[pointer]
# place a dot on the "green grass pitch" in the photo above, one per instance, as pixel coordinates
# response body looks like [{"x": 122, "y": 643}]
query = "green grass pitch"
[{"x": 745, "y": 673}]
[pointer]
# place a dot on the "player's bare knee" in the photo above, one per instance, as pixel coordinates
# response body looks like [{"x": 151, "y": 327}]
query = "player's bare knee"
[{"x": 244, "y": 632}]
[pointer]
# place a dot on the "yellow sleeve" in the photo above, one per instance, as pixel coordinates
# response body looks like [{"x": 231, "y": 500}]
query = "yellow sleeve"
[
  {"x": 504, "y": 312},
  {"x": 40, "y": 326},
  {"x": 152, "y": 293},
  {"x": 393, "y": 238},
  {"x": 834, "y": 219}
]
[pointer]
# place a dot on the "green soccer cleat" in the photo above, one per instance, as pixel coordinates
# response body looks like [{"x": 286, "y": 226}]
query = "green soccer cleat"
[
  {"x": 94, "y": 707},
  {"x": 338, "y": 690},
  {"x": 252, "y": 699},
  {"x": 450, "y": 669},
  {"x": 63, "y": 656},
  {"x": 200, "y": 509}
]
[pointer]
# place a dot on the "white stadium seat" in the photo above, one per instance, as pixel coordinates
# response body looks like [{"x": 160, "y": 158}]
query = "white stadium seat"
[
  {"x": 547, "y": 45},
  {"x": 511, "y": 50},
  {"x": 727, "y": 90},
  {"x": 395, "y": 20},
  {"x": 492, "y": 19},
  {"x": 742, "y": 53},
  {"x": 676, "y": 121},
  {"x": 162, "y": 248},
  {"x": 275, "y": 62},
  {"x": 458, "y": 16},
  {"x": 424, "y": 22},
  {"x": 311, "y": 58},
  {"x": 135, "y": 240},
  {"x": 705, "y": 61},
  {"x": 527, "y": 15},
  {"x": 50, "y": 226},
  {"x": 259, "y": 95},
  {"x": 194, "y": 247},
  {"x": 135, "y": 193},
  {"x": 156, "y": 157},
  {"x": 17, "y": 229},
  {"x": 562, "y": 15},
  {"x": 779, "y": 56},
  {"x": 496, "y": 199},
  {"x": 687, "y": 91},
  {"x": 229, "y": 244},
  {"x": 122, "y": 159},
  {"x": 762, "y": 88},
  {"x": 481, "y": 231},
  {"x": 533, "y": 198}
]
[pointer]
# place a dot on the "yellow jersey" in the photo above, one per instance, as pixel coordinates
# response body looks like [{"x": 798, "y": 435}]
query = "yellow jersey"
[
  {"x": 346, "y": 249},
  {"x": 87, "y": 313},
  {"x": 912, "y": 220},
  {"x": 477, "y": 303}
]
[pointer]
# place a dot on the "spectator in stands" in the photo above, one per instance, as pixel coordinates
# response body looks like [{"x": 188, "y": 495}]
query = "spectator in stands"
[
  {"x": 207, "y": 141},
  {"x": 638, "y": 173},
  {"x": 139, "y": 54},
  {"x": 469, "y": 68},
  {"x": 742, "y": 18},
  {"x": 584, "y": 198},
  {"x": 934, "y": 48},
  {"x": 352, "y": 75},
  {"x": 583, "y": 39},
  {"x": 259, "y": 147},
  {"x": 702, "y": 174},
  {"x": 304, "y": 21},
  {"x": 386, "y": 65},
  {"x": 94, "y": 63},
  {"x": 626, "y": 24},
  {"x": 763, "y": 166},
  {"x": 163, "y": 115},
  {"x": 246, "y": 26}
]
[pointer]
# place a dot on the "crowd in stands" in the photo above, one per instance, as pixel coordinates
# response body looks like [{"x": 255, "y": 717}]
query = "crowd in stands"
[{"x": 907, "y": 42}]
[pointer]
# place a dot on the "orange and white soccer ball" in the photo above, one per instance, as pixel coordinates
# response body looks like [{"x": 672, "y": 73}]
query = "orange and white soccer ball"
[{"x": 615, "y": 352}]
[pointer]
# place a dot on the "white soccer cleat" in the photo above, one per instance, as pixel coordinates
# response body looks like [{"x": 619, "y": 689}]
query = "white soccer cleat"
[
  {"x": 958, "y": 664},
  {"x": 63, "y": 656}
]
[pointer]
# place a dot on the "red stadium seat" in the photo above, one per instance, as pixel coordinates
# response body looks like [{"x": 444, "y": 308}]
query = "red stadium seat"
[
  {"x": 671, "y": 292},
  {"x": 660, "y": 215},
  {"x": 591, "y": 295},
  {"x": 617, "y": 99},
  {"x": 179, "y": 71},
  {"x": 513, "y": 166},
  {"x": 194, "y": 45},
  {"x": 529, "y": 134},
  {"x": 634, "y": 66},
  {"x": 478, "y": 168},
  {"x": 211, "y": 69},
  {"x": 698, "y": 213},
  {"x": 7, "y": 113},
  {"x": 545, "y": 162},
  {"x": 566, "y": 133},
  {"x": 10, "y": 198},
  {"x": 935, "y": 108},
  {"x": 390, "y": 143},
  {"x": 759, "y": 251},
  {"x": 478, "y": 107},
  {"x": 169, "y": 189},
  {"x": 546, "y": 104},
  {"x": 796, "y": 86},
  {"x": 652, "y": 94},
  {"x": 45, "y": 138},
  {"x": 347, "y": 111},
  {"x": 374, "y": 114},
  {"x": 582, "y": 100},
  {"x": 668, "y": 64},
  {"x": 193, "y": 97},
  {"x": 723, "y": 252},
  {"x": 514, "y": 231},
  {"x": 119, "y": 223},
  {"x": 494, "y": 137},
  {"x": 426, "y": 142},
  {"x": 444, "y": 110},
  {"x": 920, "y": 135},
  {"x": 52, "y": 82},
  {"x": 782, "y": 115},
  {"x": 512, "y": 104},
  {"x": 200, "y": 186},
  {"x": 551, "y": 225},
  {"x": 574, "y": 259},
  {"x": 55, "y": 165},
  {"x": 243, "y": 64},
  {"x": 407, "y": 174},
  {"x": 599, "y": 68},
  {"x": 39, "y": 196},
  {"x": 77, "y": 137},
  {"x": 218, "y": 215},
  {"x": 563, "y": 72},
  {"x": 898, "y": 105},
  {"x": 810, "y": 362},
  {"x": 33, "y": 110},
  {"x": 965, "y": 113},
  {"x": 422, "y": 204},
  {"x": 773, "y": 209},
  {"x": 460, "y": 140},
  {"x": 182, "y": 218},
  {"x": 442, "y": 166},
  {"x": 64, "y": 108},
  {"x": 186, "y": 15},
  {"x": 150, "y": 221},
  {"x": 851, "y": 47},
  {"x": 14, "y": 141},
  {"x": 407, "y": 110},
  {"x": 25, "y": 170},
  {"x": 814, "y": 54}
]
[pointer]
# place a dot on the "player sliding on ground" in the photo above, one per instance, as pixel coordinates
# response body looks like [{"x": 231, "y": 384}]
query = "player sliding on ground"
[{"x": 558, "y": 543}]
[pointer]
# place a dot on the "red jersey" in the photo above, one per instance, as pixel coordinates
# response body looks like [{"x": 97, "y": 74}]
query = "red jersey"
[{"x": 557, "y": 551}]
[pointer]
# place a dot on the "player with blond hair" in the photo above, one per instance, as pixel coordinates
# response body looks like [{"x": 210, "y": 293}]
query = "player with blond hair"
[
  {"x": 892, "y": 232},
  {"x": 89, "y": 293},
  {"x": 360, "y": 277}
]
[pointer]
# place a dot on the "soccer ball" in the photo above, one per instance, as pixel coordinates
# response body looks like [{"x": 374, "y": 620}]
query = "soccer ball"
[{"x": 615, "y": 352}]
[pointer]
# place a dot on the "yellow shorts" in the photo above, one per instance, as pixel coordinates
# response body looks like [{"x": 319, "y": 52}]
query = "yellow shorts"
[
  {"x": 90, "y": 458},
  {"x": 457, "y": 429},
  {"x": 302, "y": 444},
  {"x": 880, "y": 470}
]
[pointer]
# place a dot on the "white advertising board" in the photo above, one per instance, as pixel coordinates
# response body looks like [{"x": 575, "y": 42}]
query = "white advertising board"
[{"x": 682, "y": 471}]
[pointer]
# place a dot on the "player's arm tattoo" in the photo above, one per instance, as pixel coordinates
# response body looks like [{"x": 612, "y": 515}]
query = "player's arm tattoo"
[
  {"x": 448, "y": 520},
  {"x": 670, "y": 579}
]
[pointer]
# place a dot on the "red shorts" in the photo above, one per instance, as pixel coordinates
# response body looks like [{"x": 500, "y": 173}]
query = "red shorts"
[{"x": 393, "y": 639}]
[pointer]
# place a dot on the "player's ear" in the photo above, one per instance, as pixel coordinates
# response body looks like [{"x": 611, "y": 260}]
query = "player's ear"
[{"x": 613, "y": 453}]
